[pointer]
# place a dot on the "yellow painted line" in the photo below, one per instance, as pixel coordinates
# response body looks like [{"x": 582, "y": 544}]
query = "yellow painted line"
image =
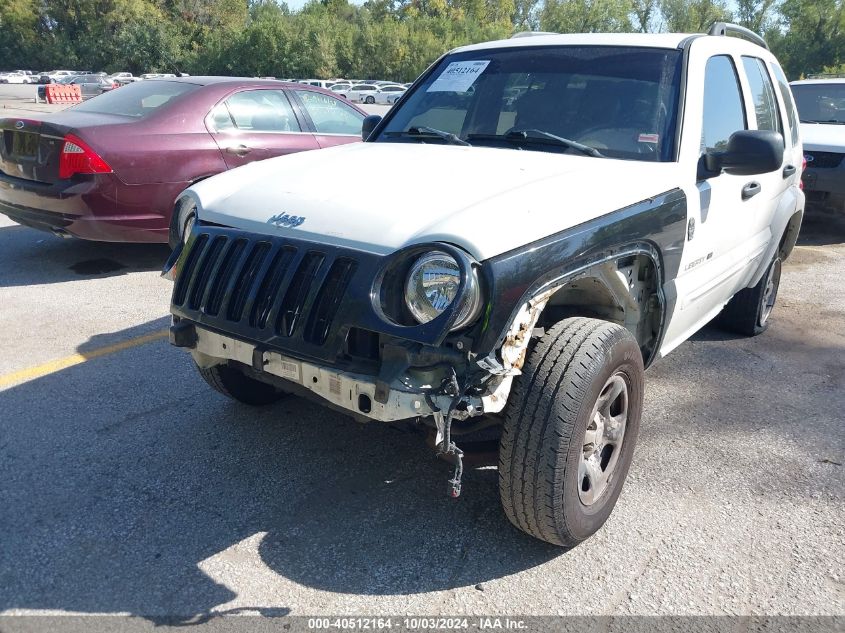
[{"x": 31, "y": 373}]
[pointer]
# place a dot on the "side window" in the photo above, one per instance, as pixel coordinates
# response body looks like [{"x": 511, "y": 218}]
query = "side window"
[
  {"x": 763, "y": 94},
  {"x": 723, "y": 110},
  {"x": 262, "y": 111},
  {"x": 220, "y": 119},
  {"x": 329, "y": 114},
  {"x": 789, "y": 104}
]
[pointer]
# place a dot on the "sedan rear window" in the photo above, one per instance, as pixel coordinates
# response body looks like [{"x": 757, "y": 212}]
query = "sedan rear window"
[{"x": 136, "y": 100}]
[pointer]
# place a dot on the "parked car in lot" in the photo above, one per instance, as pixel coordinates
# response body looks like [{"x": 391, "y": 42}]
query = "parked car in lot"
[
  {"x": 548, "y": 251},
  {"x": 122, "y": 78},
  {"x": 54, "y": 75},
  {"x": 92, "y": 85},
  {"x": 362, "y": 93},
  {"x": 111, "y": 168},
  {"x": 389, "y": 94},
  {"x": 14, "y": 78},
  {"x": 320, "y": 83},
  {"x": 821, "y": 108}
]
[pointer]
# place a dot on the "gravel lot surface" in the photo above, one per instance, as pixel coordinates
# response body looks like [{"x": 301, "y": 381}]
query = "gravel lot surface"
[{"x": 129, "y": 487}]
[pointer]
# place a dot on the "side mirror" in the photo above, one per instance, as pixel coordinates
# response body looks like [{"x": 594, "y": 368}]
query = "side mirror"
[
  {"x": 369, "y": 124},
  {"x": 748, "y": 152}
]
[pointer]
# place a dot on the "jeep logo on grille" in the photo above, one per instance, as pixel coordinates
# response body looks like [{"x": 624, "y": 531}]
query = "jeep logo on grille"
[{"x": 283, "y": 219}]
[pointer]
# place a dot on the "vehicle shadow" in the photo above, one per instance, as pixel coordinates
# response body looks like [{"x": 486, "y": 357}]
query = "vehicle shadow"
[
  {"x": 29, "y": 257},
  {"x": 821, "y": 227},
  {"x": 132, "y": 487}
]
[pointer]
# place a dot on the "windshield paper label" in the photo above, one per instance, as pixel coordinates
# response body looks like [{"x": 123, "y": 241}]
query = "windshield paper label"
[{"x": 458, "y": 76}]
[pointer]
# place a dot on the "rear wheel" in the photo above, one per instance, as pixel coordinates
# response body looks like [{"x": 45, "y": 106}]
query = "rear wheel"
[
  {"x": 370, "y": 100},
  {"x": 570, "y": 429},
  {"x": 749, "y": 310},
  {"x": 232, "y": 382}
]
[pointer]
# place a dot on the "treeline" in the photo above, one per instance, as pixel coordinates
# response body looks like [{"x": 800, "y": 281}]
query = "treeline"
[{"x": 393, "y": 39}]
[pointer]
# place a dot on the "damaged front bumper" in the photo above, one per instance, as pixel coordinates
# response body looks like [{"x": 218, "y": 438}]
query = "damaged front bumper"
[{"x": 352, "y": 392}]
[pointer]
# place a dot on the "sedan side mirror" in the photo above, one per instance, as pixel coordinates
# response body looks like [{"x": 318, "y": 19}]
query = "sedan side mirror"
[
  {"x": 748, "y": 152},
  {"x": 369, "y": 125}
]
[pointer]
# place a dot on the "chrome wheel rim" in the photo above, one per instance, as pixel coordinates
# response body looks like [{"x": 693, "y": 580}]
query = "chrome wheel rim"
[
  {"x": 603, "y": 440},
  {"x": 770, "y": 293}
]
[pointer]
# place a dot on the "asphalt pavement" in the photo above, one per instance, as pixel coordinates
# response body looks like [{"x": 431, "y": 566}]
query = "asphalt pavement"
[{"x": 129, "y": 487}]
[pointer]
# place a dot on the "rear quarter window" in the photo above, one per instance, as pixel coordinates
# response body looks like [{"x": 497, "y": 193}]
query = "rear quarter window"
[{"x": 137, "y": 100}]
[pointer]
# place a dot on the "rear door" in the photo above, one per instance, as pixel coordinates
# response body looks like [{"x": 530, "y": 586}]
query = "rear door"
[
  {"x": 257, "y": 124},
  {"x": 333, "y": 120},
  {"x": 764, "y": 114}
]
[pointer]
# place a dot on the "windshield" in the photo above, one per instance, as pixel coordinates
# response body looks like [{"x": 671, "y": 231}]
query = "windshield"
[
  {"x": 820, "y": 103},
  {"x": 138, "y": 99},
  {"x": 620, "y": 101}
]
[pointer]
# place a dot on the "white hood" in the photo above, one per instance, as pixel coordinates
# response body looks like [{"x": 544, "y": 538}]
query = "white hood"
[
  {"x": 823, "y": 137},
  {"x": 382, "y": 196}
]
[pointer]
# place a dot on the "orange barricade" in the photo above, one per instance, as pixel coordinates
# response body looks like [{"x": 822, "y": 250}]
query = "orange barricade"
[{"x": 57, "y": 93}]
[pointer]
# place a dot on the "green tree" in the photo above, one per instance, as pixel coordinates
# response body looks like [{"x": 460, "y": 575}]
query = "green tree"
[
  {"x": 586, "y": 16},
  {"x": 693, "y": 16}
]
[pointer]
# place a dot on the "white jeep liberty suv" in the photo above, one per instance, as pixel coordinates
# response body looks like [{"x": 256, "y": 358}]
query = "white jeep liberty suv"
[{"x": 575, "y": 207}]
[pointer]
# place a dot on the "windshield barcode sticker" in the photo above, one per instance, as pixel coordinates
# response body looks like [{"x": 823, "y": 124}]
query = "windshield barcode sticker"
[{"x": 458, "y": 76}]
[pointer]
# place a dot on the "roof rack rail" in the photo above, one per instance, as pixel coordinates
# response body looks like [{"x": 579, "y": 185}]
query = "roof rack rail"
[
  {"x": 723, "y": 28},
  {"x": 531, "y": 34}
]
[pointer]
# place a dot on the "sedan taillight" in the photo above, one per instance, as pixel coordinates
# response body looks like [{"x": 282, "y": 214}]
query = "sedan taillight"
[{"x": 77, "y": 158}]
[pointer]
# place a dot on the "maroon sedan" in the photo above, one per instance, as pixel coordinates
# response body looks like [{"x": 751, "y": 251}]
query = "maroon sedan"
[{"x": 112, "y": 168}]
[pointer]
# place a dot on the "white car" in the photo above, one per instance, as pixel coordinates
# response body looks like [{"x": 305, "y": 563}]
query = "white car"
[
  {"x": 544, "y": 253},
  {"x": 821, "y": 107},
  {"x": 123, "y": 78},
  {"x": 55, "y": 75},
  {"x": 319, "y": 83},
  {"x": 15, "y": 78},
  {"x": 362, "y": 93},
  {"x": 341, "y": 88},
  {"x": 390, "y": 94}
]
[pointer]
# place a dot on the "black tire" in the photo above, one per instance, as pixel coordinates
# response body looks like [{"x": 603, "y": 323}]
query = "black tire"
[
  {"x": 184, "y": 215},
  {"x": 233, "y": 383},
  {"x": 548, "y": 412},
  {"x": 370, "y": 100},
  {"x": 749, "y": 311}
]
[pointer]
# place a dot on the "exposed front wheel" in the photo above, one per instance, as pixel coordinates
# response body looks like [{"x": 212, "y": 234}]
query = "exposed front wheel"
[
  {"x": 749, "y": 310},
  {"x": 570, "y": 429},
  {"x": 370, "y": 100},
  {"x": 232, "y": 382},
  {"x": 182, "y": 222}
]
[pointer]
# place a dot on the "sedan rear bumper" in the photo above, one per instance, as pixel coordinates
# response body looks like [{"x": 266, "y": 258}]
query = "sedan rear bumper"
[{"x": 90, "y": 209}]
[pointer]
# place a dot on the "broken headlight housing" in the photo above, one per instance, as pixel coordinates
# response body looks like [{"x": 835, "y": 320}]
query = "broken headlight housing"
[{"x": 432, "y": 285}]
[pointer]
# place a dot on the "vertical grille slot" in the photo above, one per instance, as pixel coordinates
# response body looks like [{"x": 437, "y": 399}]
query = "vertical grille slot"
[
  {"x": 297, "y": 293},
  {"x": 187, "y": 273},
  {"x": 328, "y": 300},
  {"x": 204, "y": 271},
  {"x": 270, "y": 286},
  {"x": 221, "y": 280},
  {"x": 245, "y": 281}
]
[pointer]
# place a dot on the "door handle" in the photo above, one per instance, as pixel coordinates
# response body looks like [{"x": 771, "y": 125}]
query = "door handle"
[
  {"x": 750, "y": 190},
  {"x": 788, "y": 171},
  {"x": 238, "y": 150}
]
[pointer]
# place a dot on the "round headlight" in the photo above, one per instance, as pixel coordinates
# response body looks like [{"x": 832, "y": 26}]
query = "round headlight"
[{"x": 433, "y": 283}]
